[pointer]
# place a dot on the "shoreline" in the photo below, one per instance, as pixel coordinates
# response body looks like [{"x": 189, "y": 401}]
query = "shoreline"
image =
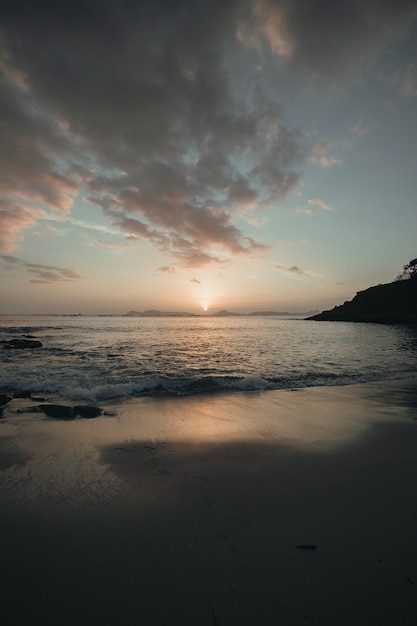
[{"x": 275, "y": 507}]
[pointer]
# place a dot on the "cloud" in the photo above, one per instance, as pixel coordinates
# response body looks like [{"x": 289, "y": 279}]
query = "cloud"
[
  {"x": 321, "y": 204},
  {"x": 319, "y": 155},
  {"x": 194, "y": 280},
  {"x": 361, "y": 128},
  {"x": 14, "y": 219},
  {"x": 315, "y": 202},
  {"x": 294, "y": 269},
  {"x": 157, "y": 112},
  {"x": 44, "y": 274},
  {"x": 257, "y": 221},
  {"x": 32, "y": 146},
  {"x": 111, "y": 245},
  {"x": 166, "y": 269},
  {"x": 141, "y": 104},
  {"x": 332, "y": 42},
  {"x": 356, "y": 132},
  {"x": 409, "y": 81}
]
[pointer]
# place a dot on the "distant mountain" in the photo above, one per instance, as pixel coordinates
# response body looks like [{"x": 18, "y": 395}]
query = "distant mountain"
[
  {"x": 222, "y": 313},
  {"x": 392, "y": 303},
  {"x": 156, "y": 313}
]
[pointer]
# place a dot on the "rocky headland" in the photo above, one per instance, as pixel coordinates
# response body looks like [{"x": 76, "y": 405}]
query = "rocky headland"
[{"x": 391, "y": 303}]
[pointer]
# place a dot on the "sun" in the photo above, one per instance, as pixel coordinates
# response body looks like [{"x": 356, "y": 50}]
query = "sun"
[{"x": 205, "y": 308}]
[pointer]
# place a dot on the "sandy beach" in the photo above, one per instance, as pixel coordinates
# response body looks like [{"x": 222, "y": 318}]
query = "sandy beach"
[{"x": 283, "y": 507}]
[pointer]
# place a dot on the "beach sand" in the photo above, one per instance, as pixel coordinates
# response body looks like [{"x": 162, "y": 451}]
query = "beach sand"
[{"x": 283, "y": 507}]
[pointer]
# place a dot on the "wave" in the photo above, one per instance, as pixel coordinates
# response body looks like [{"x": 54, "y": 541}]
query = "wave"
[
  {"x": 159, "y": 386},
  {"x": 104, "y": 361}
]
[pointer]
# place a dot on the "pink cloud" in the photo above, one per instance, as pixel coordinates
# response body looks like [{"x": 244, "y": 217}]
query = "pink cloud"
[
  {"x": 321, "y": 204},
  {"x": 319, "y": 155},
  {"x": 14, "y": 219}
]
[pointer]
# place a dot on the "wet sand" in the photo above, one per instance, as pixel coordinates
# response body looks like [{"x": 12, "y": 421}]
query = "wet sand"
[{"x": 283, "y": 507}]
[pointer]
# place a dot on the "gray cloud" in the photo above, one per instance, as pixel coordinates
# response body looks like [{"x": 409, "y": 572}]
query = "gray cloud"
[
  {"x": 141, "y": 104},
  {"x": 332, "y": 41},
  {"x": 294, "y": 269},
  {"x": 43, "y": 274},
  {"x": 320, "y": 155},
  {"x": 156, "y": 109},
  {"x": 409, "y": 81},
  {"x": 166, "y": 269}
]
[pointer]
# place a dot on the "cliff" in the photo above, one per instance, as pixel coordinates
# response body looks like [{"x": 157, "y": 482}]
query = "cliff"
[{"x": 393, "y": 303}]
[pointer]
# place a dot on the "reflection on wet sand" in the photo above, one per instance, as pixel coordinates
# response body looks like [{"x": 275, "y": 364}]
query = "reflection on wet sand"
[{"x": 206, "y": 511}]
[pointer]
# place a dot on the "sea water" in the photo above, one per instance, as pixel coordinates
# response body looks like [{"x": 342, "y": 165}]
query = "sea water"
[{"x": 93, "y": 359}]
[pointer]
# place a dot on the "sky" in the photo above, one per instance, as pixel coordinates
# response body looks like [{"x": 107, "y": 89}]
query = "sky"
[{"x": 200, "y": 155}]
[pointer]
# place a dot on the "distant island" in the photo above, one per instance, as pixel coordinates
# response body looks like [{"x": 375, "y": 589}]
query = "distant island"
[
  {"x": 156, "y": 313},
  {"x": 222, "y": 313},
  {"x": 391, "y": 303}
]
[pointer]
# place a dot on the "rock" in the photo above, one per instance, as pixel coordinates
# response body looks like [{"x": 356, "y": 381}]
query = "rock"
[
  {"x": 20, "y": 344},
  {"x": 22, "y": 394},
  {"x": 4, "y": 399},
  {"x": 392, "y": 303},
  {"x": 64, "y": 412},
  {"x": 87, "y": 411},
  {"x": 58, "y": 411},
  {"x": 28, "y": 409}
]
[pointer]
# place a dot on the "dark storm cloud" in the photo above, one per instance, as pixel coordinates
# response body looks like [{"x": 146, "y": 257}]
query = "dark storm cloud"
[{"x": 154, "y": 109}]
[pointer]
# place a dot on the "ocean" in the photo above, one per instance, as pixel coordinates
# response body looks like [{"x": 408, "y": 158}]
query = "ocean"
[{"x": 94, "y": 359}]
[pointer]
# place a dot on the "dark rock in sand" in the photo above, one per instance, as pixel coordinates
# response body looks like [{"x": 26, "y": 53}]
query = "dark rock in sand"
[
  {"x": 64, "y": 412},
  {"x": 86, "y": 411},
  {"x": 20, "y": 344},
  {"x": 28, "y": 409},
  {"x": 22, "y": 394},
  {"x": 4, "y": 399},
  {"x": 58, "y": 411}
]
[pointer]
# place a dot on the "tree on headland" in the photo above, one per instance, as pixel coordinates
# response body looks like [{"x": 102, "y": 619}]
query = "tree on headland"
[{"x": 409, "y": 271}]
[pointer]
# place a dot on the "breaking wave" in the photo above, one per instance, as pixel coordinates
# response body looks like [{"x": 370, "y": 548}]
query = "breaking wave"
[{"x": 100, "y": 360}]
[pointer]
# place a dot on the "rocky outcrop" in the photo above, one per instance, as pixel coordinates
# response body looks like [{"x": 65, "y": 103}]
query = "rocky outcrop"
[
  {"x": 65, "y": 412},
  {"x": 4, "y": 399},
  {"x": 392, "y": 303}
]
